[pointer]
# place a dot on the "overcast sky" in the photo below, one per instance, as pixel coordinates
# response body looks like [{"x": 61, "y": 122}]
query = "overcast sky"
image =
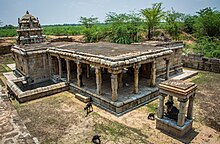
[{"x": 69, "y": 11}]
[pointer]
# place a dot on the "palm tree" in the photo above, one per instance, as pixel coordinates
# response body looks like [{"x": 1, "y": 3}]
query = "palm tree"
[{"x": 152, "y": 16}]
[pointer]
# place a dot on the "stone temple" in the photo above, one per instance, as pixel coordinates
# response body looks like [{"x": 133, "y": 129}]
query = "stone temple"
[{"x": 118, "y": 77}]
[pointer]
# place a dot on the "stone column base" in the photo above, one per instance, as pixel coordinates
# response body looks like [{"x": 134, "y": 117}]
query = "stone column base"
[{"x": 170, "y": 126}]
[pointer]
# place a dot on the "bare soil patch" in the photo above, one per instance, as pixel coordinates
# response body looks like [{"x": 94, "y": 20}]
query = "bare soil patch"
[
  {"x": 61, "y": 119},
  {"x": 207, "y": 102}
]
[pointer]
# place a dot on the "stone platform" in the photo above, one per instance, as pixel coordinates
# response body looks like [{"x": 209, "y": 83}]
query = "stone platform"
[
  {"x": 186, "y": 74},
  {"x": 36, "y": 92},
  {"x": 170, "y": 126},
  {"x": 124, "y": 104}
]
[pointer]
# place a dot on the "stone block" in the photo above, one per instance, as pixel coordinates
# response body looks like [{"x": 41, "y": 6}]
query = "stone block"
[
  {"x": 169, "y": 126},
  {"x": 82, "y": 98}
]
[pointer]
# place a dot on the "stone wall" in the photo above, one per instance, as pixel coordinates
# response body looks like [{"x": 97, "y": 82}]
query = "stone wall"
[
  {"x": 24, "y": 96},
  {"x": 175, "y": 64},
  {"x": 38, "y": 68},
  {"x": 201, "y": 63},
  {"x": 5, "y": 49},
  {"x": 35, "y": 67}
]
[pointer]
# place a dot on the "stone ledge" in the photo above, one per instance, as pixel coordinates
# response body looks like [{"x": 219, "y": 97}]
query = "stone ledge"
[
  {"x": 23, "y": 96},
  {"x": 170, "y": 126},
  {"x": 120, "y": 107}
]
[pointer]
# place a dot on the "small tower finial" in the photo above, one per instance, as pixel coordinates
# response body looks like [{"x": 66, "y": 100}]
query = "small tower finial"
[{"x": 27, "y": 12}]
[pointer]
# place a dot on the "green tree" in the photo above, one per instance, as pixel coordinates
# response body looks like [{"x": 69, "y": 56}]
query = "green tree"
[
  {"x": 174, "y": 22},
  {"x": 207, "y": 23},
  {"x": 124, "y": 28},
  {"x": 153, "y": 16},
  {"x": 189, "y": 21},
  {"x": 88, "y": 22}
]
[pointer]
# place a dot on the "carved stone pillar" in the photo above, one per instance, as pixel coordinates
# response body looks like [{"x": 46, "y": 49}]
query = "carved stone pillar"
[
  {"x": 190, "y": 107},
  {"x": 120, "y": 80},
  {"x": 68, "y": 69},
  {"x": 114, "y": 85},
  {"x": 182, "y": 112},
  {"x": 79, "y": 74},
  {"x": 60, "y": 66},
  {"x": 160, "y": 110},
  {"x": 136, "y": 78},
  {"x": 98, "y": 79},
  {"x": 50, "y": 65},
  {"x": 87, "y": 70},
  {"x": 167, "y": 69},
  {"x": 153, "y": 74}
]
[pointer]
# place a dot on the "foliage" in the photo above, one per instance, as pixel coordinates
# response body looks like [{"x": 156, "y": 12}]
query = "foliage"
[
  {"x": 94, "y": 34},
  {"x": 88, "y": 22},
  {"x": 124, "y": 28},
  {"x": 209, "y": 47},
  {"x": 4, "y": 32},
  {"x": 152, "y": 16},
  {"x": 92, "y": 31},
  {"x": 207, "y": 23},
  {"x": 63, "y": 30},
  {"x": 174, "y": 23},
  {"x": 188, "y": 23}
]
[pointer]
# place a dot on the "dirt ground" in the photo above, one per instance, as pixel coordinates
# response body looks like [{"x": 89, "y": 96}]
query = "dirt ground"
[
  {"x": 207, "y": 102},
  {"x": 61, "y": 119}
]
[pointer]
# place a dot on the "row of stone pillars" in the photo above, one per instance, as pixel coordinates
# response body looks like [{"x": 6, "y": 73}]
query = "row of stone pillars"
[
  {"x": 182, "y": 109},
  {"x": 116, "y": 76}
]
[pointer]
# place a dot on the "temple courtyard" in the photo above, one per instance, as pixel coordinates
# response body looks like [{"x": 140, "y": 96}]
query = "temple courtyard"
[{"x": 61, "y": 119}]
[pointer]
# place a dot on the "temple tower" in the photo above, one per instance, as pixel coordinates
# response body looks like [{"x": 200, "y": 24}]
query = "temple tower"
[{"x": 29, "y": 30}]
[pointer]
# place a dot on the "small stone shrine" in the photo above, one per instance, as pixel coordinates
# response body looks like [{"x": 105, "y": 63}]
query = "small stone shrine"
[
  {"x": 29, "y": 30},
  {"x": 185, "y": 92}
]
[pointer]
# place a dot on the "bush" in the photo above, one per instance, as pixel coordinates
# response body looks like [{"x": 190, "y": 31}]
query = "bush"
[{"x": 209, "y": 47}]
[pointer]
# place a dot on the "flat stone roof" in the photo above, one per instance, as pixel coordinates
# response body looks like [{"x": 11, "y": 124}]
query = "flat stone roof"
[
  {"x": 107, "y": 49},
  {"x": 178, "y": 88},
  {"x": 102, "y": 52},
  {"x": 101, "y": 48}
]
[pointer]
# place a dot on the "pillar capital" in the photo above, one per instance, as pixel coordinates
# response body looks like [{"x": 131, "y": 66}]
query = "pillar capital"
[
  {"x": 114, "y": 76},
  {"x": 97, "y": 69},
  {"x": 167, "y": 59},
  {"x": 182, "y": 100},
  {"x": 136, "y": 66},
  {"x": 114, "y": 71}
]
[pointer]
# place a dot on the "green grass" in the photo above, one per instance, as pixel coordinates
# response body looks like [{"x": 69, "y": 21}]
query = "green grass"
[
  {"x": 203, "y": 77},
  {"x": 117, "y": 130},
  {"x": 4, "y": 68},
  {"x": 152, "y": 107},
  {"x": 7, "y": 32}
]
